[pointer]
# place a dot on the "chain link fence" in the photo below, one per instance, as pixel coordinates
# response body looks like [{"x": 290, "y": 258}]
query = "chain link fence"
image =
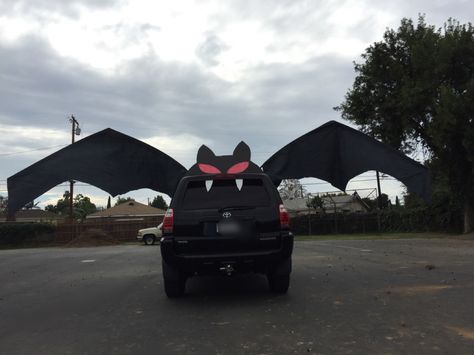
[{"x": 414, "y": 220}]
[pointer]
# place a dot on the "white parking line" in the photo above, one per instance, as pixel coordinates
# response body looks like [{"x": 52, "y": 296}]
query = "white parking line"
[
  {"x": 346, "y": 247},
  {"x": 88, "y": 261}
]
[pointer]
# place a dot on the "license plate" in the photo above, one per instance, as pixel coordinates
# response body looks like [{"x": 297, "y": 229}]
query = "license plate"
[{"x": 228, "y": 228}]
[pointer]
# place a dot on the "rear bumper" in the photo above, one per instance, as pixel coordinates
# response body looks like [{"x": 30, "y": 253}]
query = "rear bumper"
[{"x": 257, "y": 261}]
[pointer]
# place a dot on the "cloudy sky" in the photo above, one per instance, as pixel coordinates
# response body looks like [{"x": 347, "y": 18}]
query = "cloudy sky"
[{"x": 183, "y": 73}]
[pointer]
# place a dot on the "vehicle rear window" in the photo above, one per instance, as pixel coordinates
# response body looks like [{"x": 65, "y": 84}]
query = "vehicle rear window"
[{"x": 224, "y": 193}]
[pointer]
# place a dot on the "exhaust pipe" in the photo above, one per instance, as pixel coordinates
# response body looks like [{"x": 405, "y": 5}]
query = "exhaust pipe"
[{"x": 228, "y": 269}]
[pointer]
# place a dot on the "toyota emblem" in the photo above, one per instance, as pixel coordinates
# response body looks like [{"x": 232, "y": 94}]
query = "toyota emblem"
[{"x": 226, "y": 214}]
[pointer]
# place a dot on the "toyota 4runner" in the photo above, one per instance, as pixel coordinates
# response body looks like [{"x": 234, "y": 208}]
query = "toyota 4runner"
[{"x": 226, "y": 225}]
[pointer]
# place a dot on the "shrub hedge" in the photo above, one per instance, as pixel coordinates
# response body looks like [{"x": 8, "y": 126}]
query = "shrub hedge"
[{"x": 21, "y": 233}]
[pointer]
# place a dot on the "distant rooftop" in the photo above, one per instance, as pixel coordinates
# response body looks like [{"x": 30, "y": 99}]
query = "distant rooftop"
[
  {"x": 128, "y": 209},
  {"x": 33, "y": 214}
]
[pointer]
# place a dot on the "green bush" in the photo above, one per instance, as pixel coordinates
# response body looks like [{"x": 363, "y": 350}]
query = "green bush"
[{"x": 20, "y": 233}]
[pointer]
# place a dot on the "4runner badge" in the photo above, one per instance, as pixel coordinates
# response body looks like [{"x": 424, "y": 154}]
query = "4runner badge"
[{"x": 226, "y": 214}]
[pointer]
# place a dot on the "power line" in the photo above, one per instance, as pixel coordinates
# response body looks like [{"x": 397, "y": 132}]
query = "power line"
[
  {"x": 32, "y": 150},
  {"x": 363, "y": 180}
]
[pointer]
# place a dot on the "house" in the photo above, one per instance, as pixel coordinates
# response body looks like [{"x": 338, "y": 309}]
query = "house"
[
  {"x": 297, "y": 206},
  {"x": 34, "y": 215},
  {"x": 344, "y": 203},
  {"x": 128, "y": 211}
]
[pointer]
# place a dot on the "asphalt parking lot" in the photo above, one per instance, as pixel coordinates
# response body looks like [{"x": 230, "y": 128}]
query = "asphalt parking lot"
[{"x": 346, "y": 297}]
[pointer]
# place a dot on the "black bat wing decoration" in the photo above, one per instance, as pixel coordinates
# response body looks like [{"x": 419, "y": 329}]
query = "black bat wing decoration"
[
  {"x": 336, "y": 153},
  {"x": 117, "y": 163},
  {"x": 110, "y": 160}
]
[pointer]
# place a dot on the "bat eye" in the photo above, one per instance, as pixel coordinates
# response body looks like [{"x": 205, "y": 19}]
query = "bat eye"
[
  {"x": 208, "y": 169},
  {"x": 238, "y": 168}
]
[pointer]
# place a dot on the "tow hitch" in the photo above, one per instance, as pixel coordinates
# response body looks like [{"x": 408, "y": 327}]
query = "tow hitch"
[{"x": 228, "y": 269}]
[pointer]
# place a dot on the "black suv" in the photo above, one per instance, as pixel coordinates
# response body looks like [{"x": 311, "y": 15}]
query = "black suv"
[{"x": 228, "y": 224}]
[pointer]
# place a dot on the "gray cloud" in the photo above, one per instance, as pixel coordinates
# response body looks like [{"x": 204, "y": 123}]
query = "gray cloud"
[
  {"x": 42, "y": 87},
  {"x": 135, "y": 33},
  {"x": 286, "y": 18},
  {"x": 42, "y": 9},
  {"x": 210, "y": 49}
]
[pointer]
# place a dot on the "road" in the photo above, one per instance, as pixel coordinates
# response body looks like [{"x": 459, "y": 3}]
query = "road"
[{"x": 346, "y": 297}]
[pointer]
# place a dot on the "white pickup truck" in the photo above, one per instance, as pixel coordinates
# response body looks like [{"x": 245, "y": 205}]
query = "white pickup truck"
[{"x": 150, "y": 235}]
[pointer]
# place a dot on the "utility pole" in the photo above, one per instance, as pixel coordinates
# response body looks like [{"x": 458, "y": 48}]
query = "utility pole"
[
  {"x": 379, "y": 202},
  {"x": 379, "y": 192},
  {"x": 75, "y": 131}
]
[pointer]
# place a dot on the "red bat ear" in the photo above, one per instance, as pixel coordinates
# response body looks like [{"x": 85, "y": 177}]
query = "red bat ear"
[
  {"x": 208, "y": 169},
  {"x": 238, "y": 168}
]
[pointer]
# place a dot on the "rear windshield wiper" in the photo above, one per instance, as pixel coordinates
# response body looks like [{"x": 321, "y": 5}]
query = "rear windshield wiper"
[{"x": 235, "y": 208}]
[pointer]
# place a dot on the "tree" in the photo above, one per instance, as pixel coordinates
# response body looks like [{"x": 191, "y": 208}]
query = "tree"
[
  {"x": 61, "y": 206},
  {"x": 397, "y": 202},
  {"x": 82, "y": 206},
  {"x": 109, "y": 204},
  {"x": 412, "y": 201},
  {"x": 159, "y": 202},
  {"x": 383, "y": 201},
  {"x": 291, "y": 188},
  {"x": 415, "y": 91},
  {"x": 316, "y": 202},
  {"x": 121, "y": 200}
]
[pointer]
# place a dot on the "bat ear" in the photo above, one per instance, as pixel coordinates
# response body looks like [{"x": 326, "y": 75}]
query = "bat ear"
[
  {"x": 242, "y": 152},
  {"x": 205, "y": 154}
]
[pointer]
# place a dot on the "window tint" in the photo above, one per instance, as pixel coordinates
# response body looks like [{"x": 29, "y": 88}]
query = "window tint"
[{"x": 224, "y": 193}]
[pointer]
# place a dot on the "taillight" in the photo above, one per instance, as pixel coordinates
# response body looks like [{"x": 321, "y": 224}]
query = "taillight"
[
  {"x": 168, "y": 221},
  {"x": 284, "y": 218}
]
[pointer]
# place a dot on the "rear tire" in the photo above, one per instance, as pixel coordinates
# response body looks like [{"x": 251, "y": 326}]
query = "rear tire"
[
  {"x": 174, "y": 281},
  {"x": 149, "y": 239},
  {"x": 279, "y": 277},
  {"x": 279, "y": 283},
  {"x": 174, "y": 289}
]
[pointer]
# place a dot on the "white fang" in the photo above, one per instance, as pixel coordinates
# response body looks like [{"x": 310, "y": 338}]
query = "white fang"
[
  {"x": 239, "y": 183},
  {"x": 209, "y": 185}
]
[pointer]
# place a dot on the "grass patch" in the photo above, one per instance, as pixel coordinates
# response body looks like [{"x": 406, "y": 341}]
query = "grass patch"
[{"x": 377, "y": 236}]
